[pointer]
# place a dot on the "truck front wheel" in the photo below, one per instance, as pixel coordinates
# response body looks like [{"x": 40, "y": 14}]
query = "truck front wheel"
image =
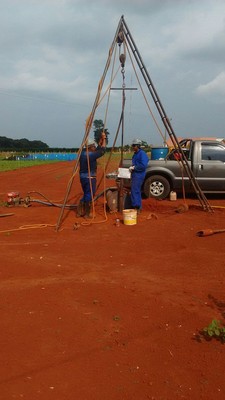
[{"x": 156, "y": 186}]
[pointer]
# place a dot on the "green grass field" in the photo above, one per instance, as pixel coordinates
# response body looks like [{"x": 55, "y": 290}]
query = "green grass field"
[
  {"x": 7, "y": 165},
  {"x": 10, "y": 165}
]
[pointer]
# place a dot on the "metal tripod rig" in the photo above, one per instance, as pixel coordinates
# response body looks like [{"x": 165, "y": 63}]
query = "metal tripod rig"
[{"x": 121, "y": 33}]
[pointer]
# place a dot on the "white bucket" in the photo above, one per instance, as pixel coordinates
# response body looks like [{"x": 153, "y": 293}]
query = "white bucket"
[
  {"x": 130, "y": 217},
  {"x": 173, "y": 196}
]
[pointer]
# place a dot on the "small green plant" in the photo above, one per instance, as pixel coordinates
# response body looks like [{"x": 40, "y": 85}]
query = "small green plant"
[{"x": 215, "y": 330}]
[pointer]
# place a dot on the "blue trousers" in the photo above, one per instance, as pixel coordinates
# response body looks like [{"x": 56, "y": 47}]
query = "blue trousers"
[
  {"x": 136, "y": 184},
  {"x": 85, "y": 184}
]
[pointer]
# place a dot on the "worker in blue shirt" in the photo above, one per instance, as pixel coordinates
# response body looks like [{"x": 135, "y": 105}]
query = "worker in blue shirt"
[
  {"x": 88, "y": 173},
  {"x": 138, "y": 170}
]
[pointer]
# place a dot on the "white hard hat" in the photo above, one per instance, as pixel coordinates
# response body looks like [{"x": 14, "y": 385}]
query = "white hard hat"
[
  {"x": 90, "y": 142},
  {"x": 137, "y": 142}
]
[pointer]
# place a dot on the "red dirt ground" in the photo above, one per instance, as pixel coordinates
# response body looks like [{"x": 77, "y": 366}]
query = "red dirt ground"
[{"x": 107, "y": 313}]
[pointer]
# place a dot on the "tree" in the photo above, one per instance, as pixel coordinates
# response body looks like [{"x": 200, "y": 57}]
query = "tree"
[
  {"x": 144, "y": 144},
  {"x": 98, "y": 129},
  {"x": 7, "y": 144}
]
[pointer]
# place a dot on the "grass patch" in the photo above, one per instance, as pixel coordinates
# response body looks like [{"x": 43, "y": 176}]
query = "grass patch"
[{"x": 8, "y": 165}]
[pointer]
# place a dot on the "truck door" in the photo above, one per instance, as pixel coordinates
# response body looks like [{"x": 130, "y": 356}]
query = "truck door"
[{"x": 210, "y": 168}]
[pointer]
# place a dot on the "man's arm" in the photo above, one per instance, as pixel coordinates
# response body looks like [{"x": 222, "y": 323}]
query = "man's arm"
[
  {"x": 100, "y": 151},
  {"x": 102, "y": 141}
]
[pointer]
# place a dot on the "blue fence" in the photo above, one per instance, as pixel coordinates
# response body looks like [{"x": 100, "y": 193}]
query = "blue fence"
[{"x": 48, "y": 156}]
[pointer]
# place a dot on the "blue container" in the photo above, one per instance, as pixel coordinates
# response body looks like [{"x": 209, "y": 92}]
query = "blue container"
[{"x": 159, "y": 152}]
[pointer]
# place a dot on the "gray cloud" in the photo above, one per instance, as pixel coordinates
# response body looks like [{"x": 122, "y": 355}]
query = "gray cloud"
[
  {"x": 215, "y": 86},
  {"x": 53, "y": 53}
]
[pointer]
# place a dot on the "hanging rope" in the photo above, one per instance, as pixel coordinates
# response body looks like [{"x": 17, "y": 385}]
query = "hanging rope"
[{"x": 122, "y": 58}]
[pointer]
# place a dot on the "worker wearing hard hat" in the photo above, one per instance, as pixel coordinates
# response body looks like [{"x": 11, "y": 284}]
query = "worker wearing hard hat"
[
  {"x": 88, "y": 172},
  {"x": 138, "y": 170}
]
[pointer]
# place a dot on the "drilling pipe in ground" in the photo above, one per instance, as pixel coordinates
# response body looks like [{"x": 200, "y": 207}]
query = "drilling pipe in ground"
[{"x": 209, "y": 232}]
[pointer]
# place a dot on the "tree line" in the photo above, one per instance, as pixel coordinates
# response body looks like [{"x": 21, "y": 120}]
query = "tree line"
[{"x": 7, "y": 144}]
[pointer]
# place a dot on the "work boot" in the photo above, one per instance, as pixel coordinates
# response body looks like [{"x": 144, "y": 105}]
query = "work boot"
[
  {"x": 81, "y": 209},
  {"x": 87, "y": 207}
]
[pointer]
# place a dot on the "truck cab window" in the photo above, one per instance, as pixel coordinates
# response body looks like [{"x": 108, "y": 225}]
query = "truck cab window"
[{"x": 213, "y": 152}]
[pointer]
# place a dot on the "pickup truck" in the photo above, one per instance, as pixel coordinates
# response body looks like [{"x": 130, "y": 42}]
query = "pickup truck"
[{"x": 206, "y": 159}]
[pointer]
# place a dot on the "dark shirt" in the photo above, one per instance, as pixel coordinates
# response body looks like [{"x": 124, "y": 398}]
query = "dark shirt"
[{"x": 93, "y": 156}]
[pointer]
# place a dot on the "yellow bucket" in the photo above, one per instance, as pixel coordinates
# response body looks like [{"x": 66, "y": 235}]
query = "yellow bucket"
[{"x": 130, "y": 217}]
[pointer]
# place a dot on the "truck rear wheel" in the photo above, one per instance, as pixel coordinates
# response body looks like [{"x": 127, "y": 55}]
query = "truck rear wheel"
[{"x": 157, "y": 186}]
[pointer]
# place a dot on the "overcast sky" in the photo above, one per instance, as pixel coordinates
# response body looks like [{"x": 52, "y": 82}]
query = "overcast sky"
[{"x": 53, "y": 54}]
